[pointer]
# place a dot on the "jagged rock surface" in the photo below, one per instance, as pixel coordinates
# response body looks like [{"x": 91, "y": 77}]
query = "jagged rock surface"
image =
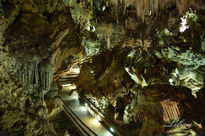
[
  {"x": 156, "y": 69},
  {"x": 35, "y": 38},
  {"x": 137, "y": 63}
]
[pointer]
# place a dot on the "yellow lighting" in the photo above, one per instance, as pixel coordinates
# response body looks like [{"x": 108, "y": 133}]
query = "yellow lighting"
[
  {"x": 96, "y": 122},
  {"x": 69, "y": 86},
  {"x": 73, "y": 87},
  {"x": 108, "y": 134},
  {"x": 98, "y": 118},
  {"x": 75, "y": 70},
  {"x": 65, "y": 85}
]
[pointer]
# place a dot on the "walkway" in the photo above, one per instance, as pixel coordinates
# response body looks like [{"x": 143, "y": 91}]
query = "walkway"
[{"x": 84, "y": 115}]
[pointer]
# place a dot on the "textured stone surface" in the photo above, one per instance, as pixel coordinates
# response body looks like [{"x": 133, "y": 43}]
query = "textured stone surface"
[
  {"x": 139, "y": 60},
  {"x": 35, "y": 38},
  {"x": 138, "y": 75}
]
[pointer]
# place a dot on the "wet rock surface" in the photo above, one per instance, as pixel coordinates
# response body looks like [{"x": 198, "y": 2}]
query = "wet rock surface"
[
  {"x": 35, "y": 40},
  {"x": 136, "y": 76}
]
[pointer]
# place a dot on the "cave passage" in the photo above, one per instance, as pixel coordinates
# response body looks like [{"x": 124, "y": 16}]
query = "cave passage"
[{"x": 102, "y": 67}]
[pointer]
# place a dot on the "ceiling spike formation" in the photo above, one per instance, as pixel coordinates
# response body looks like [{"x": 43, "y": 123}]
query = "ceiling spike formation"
[
  {"x": 35, "y": 75},
  {"x": 144, "y": 7},
  {"x": 46, "y": 75},
  {"x": 148, "y": 7},
  {"x": 30, "y": 76}
]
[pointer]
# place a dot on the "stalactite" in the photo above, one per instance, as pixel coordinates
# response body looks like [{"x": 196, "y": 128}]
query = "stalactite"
[
  {"x": 46, "y": 75},
  {"x": 139, "y": 117},
  {"x": 143, "y": 7},
  {"x": 30, "y": 76},
  {"x": 91, "y": 4},
  {"x": 35, "y": 76},
  {"x": 108, "y": 43},
  {"x": 36, "y": 73},
  {"x": 24, "y": 78}
]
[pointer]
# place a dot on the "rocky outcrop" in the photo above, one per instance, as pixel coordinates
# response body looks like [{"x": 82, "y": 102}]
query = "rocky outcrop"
[
  {"x": 35, "y": 38},
  {"x": 140, "y": 63},
  {"x": 149, "y": 82}
]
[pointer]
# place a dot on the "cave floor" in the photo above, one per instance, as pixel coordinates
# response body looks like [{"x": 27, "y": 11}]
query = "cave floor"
[{"x": 81, "y": 111}]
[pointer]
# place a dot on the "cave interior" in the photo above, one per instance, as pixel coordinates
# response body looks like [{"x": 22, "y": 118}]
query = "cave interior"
[{"x": 140, "y": 63}]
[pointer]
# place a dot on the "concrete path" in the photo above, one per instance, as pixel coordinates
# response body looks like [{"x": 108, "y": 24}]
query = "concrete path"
[{"x": 81, "y": 111}]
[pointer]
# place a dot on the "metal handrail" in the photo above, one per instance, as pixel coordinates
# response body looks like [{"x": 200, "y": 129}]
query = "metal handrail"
[
  {"x": 77, "y": 118},
  {"x": 96, "y": 107},
  {"x": 106, "y": 118},
  {"x": 69, "y": 114}
]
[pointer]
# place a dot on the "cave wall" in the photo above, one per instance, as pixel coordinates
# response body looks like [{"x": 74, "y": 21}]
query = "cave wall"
[
  {"x": 136, "y": 47},
  {"x": 35, "y": 38},
  {"x": 139, "y": 74}
]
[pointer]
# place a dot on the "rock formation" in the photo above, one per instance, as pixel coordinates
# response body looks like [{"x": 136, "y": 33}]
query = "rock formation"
[{"x": 142, "y": 63}]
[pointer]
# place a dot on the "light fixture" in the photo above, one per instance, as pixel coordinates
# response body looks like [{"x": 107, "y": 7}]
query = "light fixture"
[
  {"x": 95, "y": 122},
  {"x": 171, "y": 81},
  {"x": 66, "y": 85},
  {"x": 91, "y": 71},
  {"x": 73, "y": 86},
  {"x": 69, "y": 86},
  {"x": 76, "y": 70},
  {"x": 112, "y": 130}
]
